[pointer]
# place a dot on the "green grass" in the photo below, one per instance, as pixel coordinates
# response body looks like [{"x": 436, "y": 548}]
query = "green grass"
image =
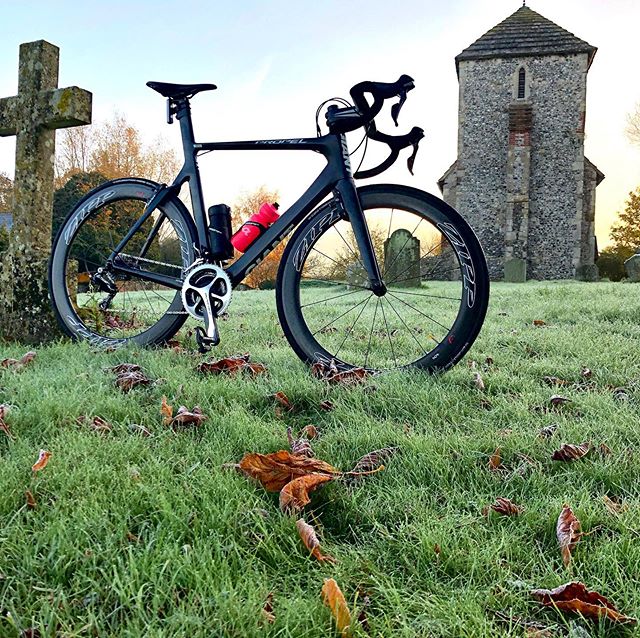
[{"x": 136, "y": 536}]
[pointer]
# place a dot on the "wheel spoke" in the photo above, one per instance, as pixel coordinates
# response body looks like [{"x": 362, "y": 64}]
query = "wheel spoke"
[
  {"x": 407, "y": 327},
  {"x": 353, "y": 325},
  {"x": 373, "y": 323},
  {"x": 339, "y": 317},
  {"x": 393, "y": 354},
  {"x": 313, "y": 303},
  {"x": 419, "y": 311}
]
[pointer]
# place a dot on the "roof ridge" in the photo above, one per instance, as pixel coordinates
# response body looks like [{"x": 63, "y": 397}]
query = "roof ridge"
[{"x": 525, "y": 33}]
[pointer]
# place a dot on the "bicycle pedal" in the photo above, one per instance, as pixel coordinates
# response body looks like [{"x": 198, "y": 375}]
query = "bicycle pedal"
[{"x": 204, "y": 342}]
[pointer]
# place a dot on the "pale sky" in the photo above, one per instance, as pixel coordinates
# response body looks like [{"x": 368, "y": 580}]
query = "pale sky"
[{"x": 275, "y": 61}]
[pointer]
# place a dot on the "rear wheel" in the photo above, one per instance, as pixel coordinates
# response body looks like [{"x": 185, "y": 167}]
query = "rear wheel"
[
  {"x": 109, "y": 308},
  {"x": 433, "y": 267}
]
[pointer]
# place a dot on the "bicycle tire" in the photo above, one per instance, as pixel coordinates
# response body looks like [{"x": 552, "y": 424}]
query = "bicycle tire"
[
  {"x": 100, "y": 208},
  {"x": 456, "y": 239}
]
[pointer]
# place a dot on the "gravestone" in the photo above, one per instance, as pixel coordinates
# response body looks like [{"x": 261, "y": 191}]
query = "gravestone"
[
  {"x": 515, "y": 271},
  {"x": 632, "y": 267},
  {"x": 587, "y": 272},
  {"x": 32, "y": 116},
  {"x": 402, "y": 259}
]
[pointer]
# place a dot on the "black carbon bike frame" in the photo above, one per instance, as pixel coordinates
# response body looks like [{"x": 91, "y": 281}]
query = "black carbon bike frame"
[{"x": 336, "y": 177}]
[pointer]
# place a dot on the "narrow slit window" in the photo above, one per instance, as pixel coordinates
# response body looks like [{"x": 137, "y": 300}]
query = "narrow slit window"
[{"x": 521, "y": 83}]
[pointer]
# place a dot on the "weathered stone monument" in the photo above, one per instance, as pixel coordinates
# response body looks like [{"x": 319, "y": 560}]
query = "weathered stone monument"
[
  {"x": 632, "y": 267},
  {"x": 402, "y": 259},
  {"x": 32, "y": 116},
  {"x": 521, "y": 178}
]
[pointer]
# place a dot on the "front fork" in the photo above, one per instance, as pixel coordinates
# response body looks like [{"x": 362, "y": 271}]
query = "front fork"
[{"x": 346, "y": 191}]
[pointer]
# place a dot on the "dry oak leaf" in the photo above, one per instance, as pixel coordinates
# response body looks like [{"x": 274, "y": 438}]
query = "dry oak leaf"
[
  {"x": 97, "y": 424},
  {"x": 184, "y": 417},
  {"x": 495, "y": 462},
  {"x": 18, "y": 364},
  {"x": 300, "y": 446},
  {"x": 552, "y": 381},
  {"x": 373, "y": 460},
  {"x": 3, "y": 426},
  {"x": 126, "y": 381},
  {"x": 329, "y": 372},
  {"x": 327, "y": 406},
  {"x": 334, "y": 599},
  {"x": 123, "y": 368},
  {"x": 232, "y": 365},
  {"x": 574, "y": 597},
  {"x": 283, "y": 400},
  {"x": 295, "y": 494},
  {"x": 43, "y": 459},
  {"x": 557, "y": 400},
  {"x": 539, "y": 322},
  {"x": 267, "y": 609},
  {"x": 505, "y": 507},
  {"x": 166, "y": 410},
  {"x": 548, "y": 431},
  {"x": 275, "y": 470},
  {"x": 311, "y": 542},
  {"x": 570, "y": 452},
  {"x": 310, "y": 431},
  {"x": 31, "y": 501},
  {"x": 567, "y": 532}
]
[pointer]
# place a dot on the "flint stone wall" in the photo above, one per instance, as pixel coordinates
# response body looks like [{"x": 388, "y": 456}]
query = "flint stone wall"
[{"x": 479, "y": 188}]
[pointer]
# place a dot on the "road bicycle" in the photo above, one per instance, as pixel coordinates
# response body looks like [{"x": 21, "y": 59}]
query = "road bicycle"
[{"x": 130, "y": 263}]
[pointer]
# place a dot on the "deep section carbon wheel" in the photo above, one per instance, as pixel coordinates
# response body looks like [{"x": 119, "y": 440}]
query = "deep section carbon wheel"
[
  {"x": 433, "y": 268},
  {"x": 95, "y": 302}
]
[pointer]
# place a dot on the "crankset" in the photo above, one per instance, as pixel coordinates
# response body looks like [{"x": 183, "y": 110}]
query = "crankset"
[{"x": 206, "y": 293}]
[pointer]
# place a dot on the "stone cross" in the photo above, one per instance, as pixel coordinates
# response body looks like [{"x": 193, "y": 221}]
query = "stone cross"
[
  {"x": 402, "y": 259},
  {"x": 32, "y": 116}
]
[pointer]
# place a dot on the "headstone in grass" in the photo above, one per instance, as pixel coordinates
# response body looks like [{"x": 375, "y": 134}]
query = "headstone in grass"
[
  {"x": 515, "y": 271},
  {"x": 402, "y": 259},
  {"x": 632, "y": 267},
  {"x": 32, "y": 117}
]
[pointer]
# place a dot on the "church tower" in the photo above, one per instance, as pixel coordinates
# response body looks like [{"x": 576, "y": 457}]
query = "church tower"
[{"x": 521, "y": 178}]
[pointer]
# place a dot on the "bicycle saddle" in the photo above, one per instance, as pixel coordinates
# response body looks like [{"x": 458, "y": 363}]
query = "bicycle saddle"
[{"x": 179, "y": 90}]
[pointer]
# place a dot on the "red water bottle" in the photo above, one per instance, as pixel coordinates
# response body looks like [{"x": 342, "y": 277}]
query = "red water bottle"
[{"x": 255, "y": 226}]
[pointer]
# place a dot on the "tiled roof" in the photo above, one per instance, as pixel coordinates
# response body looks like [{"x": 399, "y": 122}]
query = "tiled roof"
[{"x": 525, "y": 33}]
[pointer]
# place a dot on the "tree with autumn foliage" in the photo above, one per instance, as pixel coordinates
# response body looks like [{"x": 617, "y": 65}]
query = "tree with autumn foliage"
[
  {"x": 245, "y": 206},
  {"x": 113, "y": 148},
  {"x": 625, "y": 233}
]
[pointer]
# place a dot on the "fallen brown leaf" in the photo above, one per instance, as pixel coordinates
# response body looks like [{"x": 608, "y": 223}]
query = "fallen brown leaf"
[
  {"x": 575, "y": 598},
  {"x": 310, "y": 431},
  {"x": 232, "y": 365},
  {"x": 3, "y": 426},
  {"x": 97, "y": 424},
  {"x": 334, "y": 599},
  {"x": 43, "y": 459},
  {"x": 327, "y": 406},
  {"x": 586, "y": 373},
  {"x": 123, "y": 368},
  {"x": 604, "y": 450},
  {"x": 311, "y": 542},
  {"x": 557, "y": 400},
  {"x": 373, "y": 460},
  {"x": 329, "y": 372},
  {"x": 295, "y": 494},
  {"x": 267, "y": 609},
  {"x": 275, "y": 470},
  {"x": 539, "y": 322},
  {"x": 548, "y": 431},
  {"x": 283, "y": 400},
  {"x": 570, "y": 452},
  {"x": 300, "y": 445},
  {"x": 31, "y": 501},
  {"x": 126, "y": 381},
  {"x": 567, "y": 532},
  {"x": 506, "y": 507},
  {"x": 166, "y": 410},
  {"x": 18, "y": 364},
  {"x": 495, "y": 462},
  {"x": 137, "y": 428},
  {"x": 184, "y": 417}
]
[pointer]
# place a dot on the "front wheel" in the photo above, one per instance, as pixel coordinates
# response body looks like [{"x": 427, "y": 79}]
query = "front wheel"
[{"x": 432, "y": 265}]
